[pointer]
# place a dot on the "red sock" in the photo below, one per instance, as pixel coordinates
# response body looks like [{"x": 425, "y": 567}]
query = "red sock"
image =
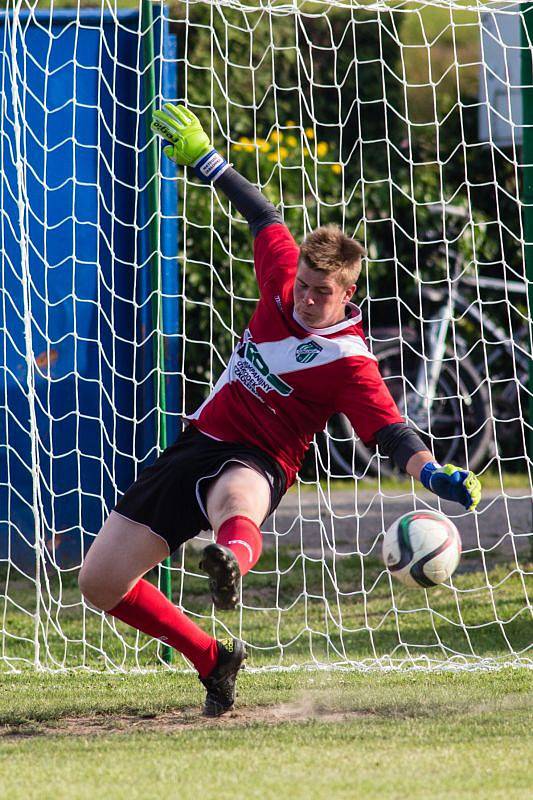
[
  {"x": 243, "y": 537},
  {"x": 146, "y": 608}
]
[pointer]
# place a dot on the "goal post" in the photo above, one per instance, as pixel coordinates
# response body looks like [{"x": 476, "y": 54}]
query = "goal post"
[
  {"x": 157, "y": 286},
  {"x": 527, "y": 181},
  {"x": 125, "y": 284}
]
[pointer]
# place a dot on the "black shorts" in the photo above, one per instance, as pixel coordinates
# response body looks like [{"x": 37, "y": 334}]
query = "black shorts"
[{"x": 170, "y": 496}]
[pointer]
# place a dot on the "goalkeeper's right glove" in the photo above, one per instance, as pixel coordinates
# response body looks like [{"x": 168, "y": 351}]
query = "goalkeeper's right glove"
[{"x": 189, "y": 143}]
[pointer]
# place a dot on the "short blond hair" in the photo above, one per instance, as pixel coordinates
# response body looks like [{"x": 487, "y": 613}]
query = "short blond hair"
[{"x": 329, "y": 250}]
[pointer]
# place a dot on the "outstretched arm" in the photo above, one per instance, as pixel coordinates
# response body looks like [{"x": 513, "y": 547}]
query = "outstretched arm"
[
  {"x": 404, "y": 446},
  {"x": 365, "y": 399},
  {"x": 190, "y": 146}
]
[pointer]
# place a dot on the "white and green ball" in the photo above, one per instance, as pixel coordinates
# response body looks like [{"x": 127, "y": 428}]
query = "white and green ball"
[{"x": 422, "y": 548}]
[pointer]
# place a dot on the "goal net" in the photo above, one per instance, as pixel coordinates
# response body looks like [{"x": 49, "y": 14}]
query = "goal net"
[{"x": 124, "y": 291}]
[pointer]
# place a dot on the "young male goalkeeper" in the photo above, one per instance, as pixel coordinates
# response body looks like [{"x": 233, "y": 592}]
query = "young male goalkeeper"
[{"x": 302, "y": 358}]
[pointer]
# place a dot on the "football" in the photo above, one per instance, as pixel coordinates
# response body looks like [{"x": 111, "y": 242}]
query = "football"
[{"x": 422, "y": 548}]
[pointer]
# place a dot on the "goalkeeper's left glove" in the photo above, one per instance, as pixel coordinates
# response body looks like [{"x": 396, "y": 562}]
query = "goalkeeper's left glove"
[
  {"x": 452, "y": 483},
  {"x": 189, "y": 143}
]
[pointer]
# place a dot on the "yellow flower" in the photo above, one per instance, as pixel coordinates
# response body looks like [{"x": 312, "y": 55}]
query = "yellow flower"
[
  {"x": 292, "y": 141},
  {"x": 276, "y": 136},
  {"x": 306, "y": 152},
  {"x": 290, "y": 123},
  {"x": 280, "y": 156},
  {"x": 322, "y": 148},
  {"x": 309, "y": 132},
  {"x": 247, "y": 145},
  {"x": 336, "y": 168}
]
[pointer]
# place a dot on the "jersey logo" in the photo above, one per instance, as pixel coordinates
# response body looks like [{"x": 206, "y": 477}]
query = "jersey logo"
[
  {"x": 254, "y": 373},
  {"x": 307, "y": 351}
]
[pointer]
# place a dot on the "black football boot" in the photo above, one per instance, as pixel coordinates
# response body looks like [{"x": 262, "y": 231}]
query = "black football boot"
[
  {"x": 224, "y": 575},
  {"x": 220, "y": 683}
]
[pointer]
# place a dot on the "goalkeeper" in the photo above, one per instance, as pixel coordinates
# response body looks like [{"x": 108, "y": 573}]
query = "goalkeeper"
[{"x": 302, "y": 358}]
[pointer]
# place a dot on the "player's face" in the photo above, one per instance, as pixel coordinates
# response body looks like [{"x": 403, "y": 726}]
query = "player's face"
[{"x": 318, "y": 299}]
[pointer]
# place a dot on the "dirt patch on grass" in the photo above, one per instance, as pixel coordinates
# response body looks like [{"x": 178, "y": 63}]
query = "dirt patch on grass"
[{"x": 302, "y": 710}]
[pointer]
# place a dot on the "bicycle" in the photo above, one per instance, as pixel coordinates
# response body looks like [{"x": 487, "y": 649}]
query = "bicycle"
[{"x": 463, "y": 411}]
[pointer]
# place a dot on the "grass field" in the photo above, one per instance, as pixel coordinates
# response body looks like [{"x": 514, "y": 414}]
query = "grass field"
[
  {"x": 294, "y": 735},
  {"x": 297, "y": 734}
]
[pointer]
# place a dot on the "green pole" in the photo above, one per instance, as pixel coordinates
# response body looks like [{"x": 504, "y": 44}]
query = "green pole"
[
  {"x": 527, "y": 172},
  {"x": 147, "y": 29}
]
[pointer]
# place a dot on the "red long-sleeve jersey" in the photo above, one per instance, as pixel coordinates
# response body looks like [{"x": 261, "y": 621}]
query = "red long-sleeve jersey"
[{"x": 285, "y": 380}]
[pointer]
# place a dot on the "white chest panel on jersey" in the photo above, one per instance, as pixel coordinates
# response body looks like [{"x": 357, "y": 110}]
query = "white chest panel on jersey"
[
  {"x": 293, "y": 354},
  {"x": 258, "y": 365}
]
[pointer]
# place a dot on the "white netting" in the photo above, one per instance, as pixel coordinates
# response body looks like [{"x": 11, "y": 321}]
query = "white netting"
[{"x": 401, "y": 122}]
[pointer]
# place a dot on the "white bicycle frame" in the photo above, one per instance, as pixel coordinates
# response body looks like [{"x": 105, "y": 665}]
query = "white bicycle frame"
[{"x": 426, "y": 384}]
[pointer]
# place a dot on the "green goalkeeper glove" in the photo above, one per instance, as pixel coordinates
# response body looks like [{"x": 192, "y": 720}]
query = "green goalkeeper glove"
[{"x": 189, "y": 144}]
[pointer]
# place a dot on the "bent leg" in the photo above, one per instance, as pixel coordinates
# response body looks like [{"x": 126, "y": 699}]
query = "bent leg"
[
  {"x": 238, "y": 491},
  {"x": 111, "y": 579},
  {"x": 237, "y": 503}
]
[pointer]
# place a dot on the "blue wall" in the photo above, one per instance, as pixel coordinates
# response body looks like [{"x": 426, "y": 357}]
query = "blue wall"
[{"x": 83, "y": 134}]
